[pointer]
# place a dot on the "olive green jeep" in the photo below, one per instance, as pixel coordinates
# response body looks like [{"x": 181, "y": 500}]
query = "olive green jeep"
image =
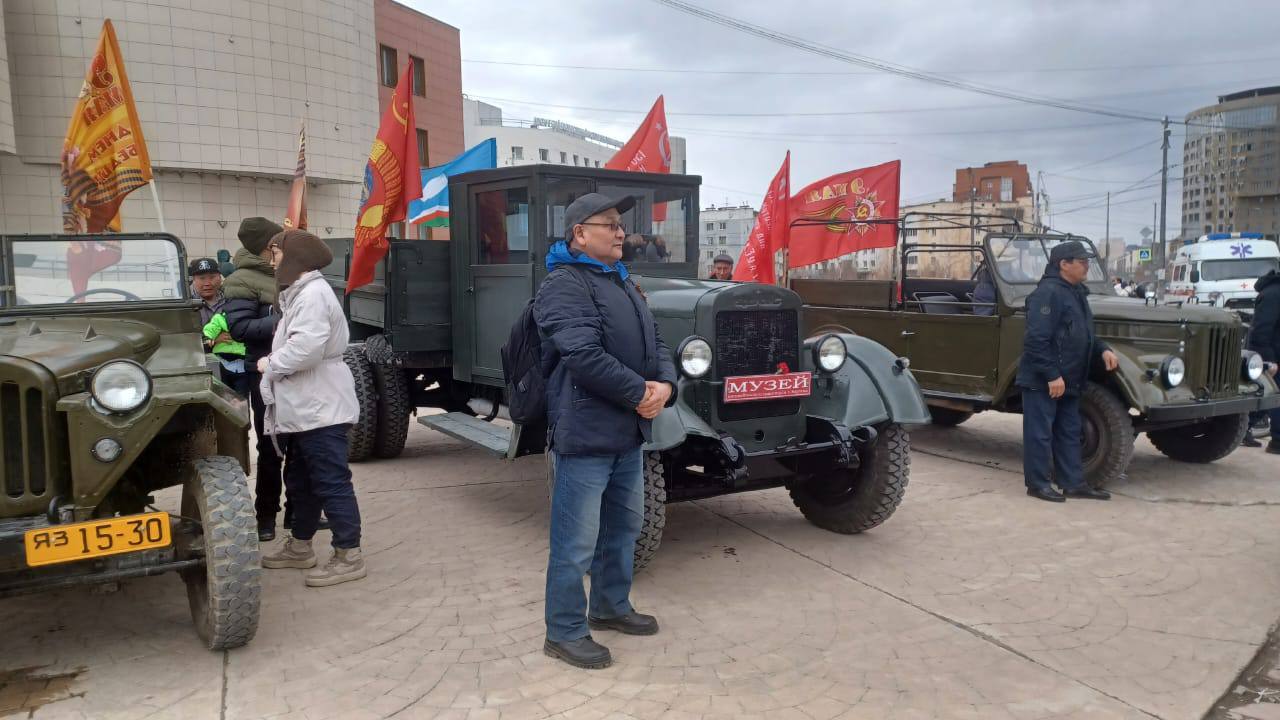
[
  {"x": 105, "y": 398},
  {"x": 959, "y": 312}
]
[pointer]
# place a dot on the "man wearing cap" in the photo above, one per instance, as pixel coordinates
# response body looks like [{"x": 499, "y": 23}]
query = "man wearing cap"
[
  {"x": 609, "y": 375},
  {"x": 1058, "y": 351},
  {"x": 722, "y": 267},
  {"x": 206, "y": 284}
]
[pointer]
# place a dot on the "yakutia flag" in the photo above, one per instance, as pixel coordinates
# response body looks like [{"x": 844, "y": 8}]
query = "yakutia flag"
[{"x": 433, "y": 208}]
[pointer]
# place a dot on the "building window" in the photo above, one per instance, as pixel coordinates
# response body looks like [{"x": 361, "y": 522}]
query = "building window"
[
  {"x": 387, "y": 65},
  {"x": 711, "y": 226},
  {"x": 564, "y": 158},
  {"x": 575, "y": 159},
  {"x": 544, "y": 154},
  {"x": 1006, "y": 189},
  {"x": 517, "y": 152},
  {"x": 723, "y": 239},
  {"x": 419, "y": 76},
  {"x": 597, "y": 163},
  {"x": 723, "y": 225},
  {"x": 422, "y": 149}
]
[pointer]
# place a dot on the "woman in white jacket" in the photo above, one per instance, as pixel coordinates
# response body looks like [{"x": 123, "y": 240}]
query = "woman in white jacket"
[{"x": 311, "y": 402}]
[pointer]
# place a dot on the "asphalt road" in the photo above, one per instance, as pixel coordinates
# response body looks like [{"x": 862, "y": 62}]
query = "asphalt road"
[{"x": 973, "y": 601}]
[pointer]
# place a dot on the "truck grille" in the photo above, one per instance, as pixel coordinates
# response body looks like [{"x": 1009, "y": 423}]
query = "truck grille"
[
  {"x": 25, "y": 448},
  {"x": 753, "y": 342},
  {"x": 1222, "y": 375}
]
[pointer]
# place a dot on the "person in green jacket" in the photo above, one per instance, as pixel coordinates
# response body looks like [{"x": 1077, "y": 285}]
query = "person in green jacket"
[{"x": 229, "y": 352}]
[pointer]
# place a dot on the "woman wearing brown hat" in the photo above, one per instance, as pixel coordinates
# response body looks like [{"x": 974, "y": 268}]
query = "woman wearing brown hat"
[{"x": 311, "y": 402}]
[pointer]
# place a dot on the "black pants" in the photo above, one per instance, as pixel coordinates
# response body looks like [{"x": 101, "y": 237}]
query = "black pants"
[
  {"x": 1051, "y": 440},
  {"x": 318, "y": 478},
  {"x": 268, "y": 486}
]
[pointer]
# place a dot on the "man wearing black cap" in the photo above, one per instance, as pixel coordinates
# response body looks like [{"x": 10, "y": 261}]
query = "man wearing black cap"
[
  {"x": 722, "y": 267},
  {"x": 1058, "y": 350},
  {"x": 609, "y": 375}
]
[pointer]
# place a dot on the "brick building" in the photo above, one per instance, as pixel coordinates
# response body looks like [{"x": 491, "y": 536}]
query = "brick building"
[{"x": 1004, "y": 181}]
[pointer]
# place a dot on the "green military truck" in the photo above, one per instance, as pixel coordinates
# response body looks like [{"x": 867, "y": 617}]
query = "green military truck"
[
  {"x": 958, "y": 313},
  {"x": 761, "y": 404},
  {"x": 105, "y": 398}
]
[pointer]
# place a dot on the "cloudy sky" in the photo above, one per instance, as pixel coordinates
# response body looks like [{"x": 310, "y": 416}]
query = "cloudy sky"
[{"x": 742, "y": 101}]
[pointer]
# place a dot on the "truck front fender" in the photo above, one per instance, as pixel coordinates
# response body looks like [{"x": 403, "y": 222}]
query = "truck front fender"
[
  {"x": 677, "y": 422},
  {"x": 869, "y": 389}
]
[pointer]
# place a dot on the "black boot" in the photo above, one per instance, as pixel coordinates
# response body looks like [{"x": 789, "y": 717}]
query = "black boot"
[
  {"x": 583, "y": 652},
  {"x": 1250, "y": 441},
  {"x": 266, "y": 529},
  {"x": 1046, "y": 494},
  {"x": 632, "y": 623},
  {"x": 1087, "y": 493}
]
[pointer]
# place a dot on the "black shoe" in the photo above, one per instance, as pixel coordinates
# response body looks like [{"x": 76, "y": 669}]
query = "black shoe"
[
  {"x": 583, "y": 652},
  {"x": 1250, "y": 441},
  {"x": 1046, "y": 494},
  {"x": 324, "y": 523},
  {"x": 1087, "y": 493},
  {"x": 630, "y": 624},
  {"x": 1273, "y": 447},
  {"x": 267, "y": 531}
]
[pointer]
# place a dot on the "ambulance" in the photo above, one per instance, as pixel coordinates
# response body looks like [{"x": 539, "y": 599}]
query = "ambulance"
[{"x": 1221, "y": 268}]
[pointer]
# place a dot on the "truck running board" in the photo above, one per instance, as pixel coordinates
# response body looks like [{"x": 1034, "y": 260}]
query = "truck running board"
[{"x": 494, "y": 438}]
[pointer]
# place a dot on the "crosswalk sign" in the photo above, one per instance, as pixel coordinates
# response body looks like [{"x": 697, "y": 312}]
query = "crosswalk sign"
[{"x": 1144, "y": 255}]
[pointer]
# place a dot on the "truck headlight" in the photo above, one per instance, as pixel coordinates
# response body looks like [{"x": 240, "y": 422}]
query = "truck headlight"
[
  {"x": 695, "y": 356},
  {"x": 1173, "y": 370},
  {"x": 829, "y": 353},
  {"x": 1251, "y": 365},
  {"x": 120, "y": 386}
]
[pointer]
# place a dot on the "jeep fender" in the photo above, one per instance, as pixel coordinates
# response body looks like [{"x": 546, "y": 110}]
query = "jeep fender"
[{"x": 846, "y": 395}]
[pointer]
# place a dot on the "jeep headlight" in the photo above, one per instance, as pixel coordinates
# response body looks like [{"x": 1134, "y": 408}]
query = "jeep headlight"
[
  {"x": 1251, "y": 366},
  {"x": 829, "y": 353},
  {"x": 1173, "y": 370},
  {"x": 695, "y": 356},
  {"x": 120, "y": 386}
]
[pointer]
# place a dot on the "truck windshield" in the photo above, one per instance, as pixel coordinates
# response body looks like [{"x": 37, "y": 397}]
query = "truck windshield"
[
  {"x": 659, "y": 228},
  {"x": 53, "y": 271},
  {"x": 1237, "y": 269},
  {"x": 1021, "y": 260}
]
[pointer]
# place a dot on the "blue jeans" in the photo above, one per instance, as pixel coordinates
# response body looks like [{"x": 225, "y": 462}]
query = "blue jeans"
[
  {"x": 317, "y": 477},
  {"x": 597, "y": 510},
  {"x": 1051, "y": 439}
]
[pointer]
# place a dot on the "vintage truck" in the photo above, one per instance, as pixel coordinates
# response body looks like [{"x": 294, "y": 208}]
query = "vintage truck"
[
  {"x": 428, "y": 331},
  {"x": 1185, "y": 378},
  {"x": 105, "y": 399}
]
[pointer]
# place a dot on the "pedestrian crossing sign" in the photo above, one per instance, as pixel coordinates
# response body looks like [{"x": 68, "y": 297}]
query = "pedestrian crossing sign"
[{"x": 1144, "y": 255}]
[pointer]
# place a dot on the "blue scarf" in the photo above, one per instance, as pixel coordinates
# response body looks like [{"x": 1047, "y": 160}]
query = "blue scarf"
[{"x": 560, "y": 254}]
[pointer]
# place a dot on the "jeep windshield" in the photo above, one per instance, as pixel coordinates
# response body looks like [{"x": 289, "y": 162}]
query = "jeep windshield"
[
  {"x": 55, "y": 270},
  {"x": 1022, "y": 259}
]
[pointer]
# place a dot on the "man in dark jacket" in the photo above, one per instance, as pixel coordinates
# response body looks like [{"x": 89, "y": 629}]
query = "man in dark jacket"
[
  {"x": 251, "y": 296},
  {"x": 1264, "y": 338},
  {"x": 1058, "y": 350},
  {"x": 609, "y": 374}
]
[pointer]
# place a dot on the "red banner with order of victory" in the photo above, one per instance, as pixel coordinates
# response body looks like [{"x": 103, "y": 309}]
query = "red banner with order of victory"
[{"x": 845, "y": 213}]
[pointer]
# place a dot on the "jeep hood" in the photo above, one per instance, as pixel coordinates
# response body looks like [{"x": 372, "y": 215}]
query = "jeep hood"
[
  {"x": 65, "y": 346},
  {"x": 1114, "y": 307}
]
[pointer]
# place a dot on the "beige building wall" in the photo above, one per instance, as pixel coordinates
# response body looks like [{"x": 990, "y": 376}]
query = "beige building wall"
[
  {"x": 6, "y": 97},
  {"x": 221, "y": 89}
]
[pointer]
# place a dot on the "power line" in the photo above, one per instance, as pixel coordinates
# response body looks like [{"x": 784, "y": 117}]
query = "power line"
[{"x": 1122, "y": 153}]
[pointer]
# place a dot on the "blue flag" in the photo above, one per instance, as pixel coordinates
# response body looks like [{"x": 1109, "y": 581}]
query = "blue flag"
[{"x": 433, "y": 208}]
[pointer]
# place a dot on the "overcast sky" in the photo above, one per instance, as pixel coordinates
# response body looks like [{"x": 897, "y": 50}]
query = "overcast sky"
[{"x": 1152, "y": 58}]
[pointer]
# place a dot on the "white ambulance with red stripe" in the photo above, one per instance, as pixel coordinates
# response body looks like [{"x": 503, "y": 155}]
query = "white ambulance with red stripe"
[{"x": 1221, "y": 268}]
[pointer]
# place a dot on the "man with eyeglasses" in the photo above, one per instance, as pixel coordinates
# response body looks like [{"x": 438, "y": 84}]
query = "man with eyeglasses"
[
  {"x": 608, "y": 376},
  {"x": 1059, "y": 349}
]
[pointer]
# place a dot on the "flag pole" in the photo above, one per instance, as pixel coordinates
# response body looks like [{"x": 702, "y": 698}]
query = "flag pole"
[{"x": 155, "y": 197}]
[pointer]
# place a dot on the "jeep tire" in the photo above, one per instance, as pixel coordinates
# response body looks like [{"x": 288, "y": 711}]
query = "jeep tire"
[
  {"x": 851, "y": 501},
  {"x": 1203, "y": 442},
  {"x": 225, "y": 594},
  {"x": 1106, "y": 435},
  {"x": 946, "y": 417},
  {"x": 655, "y": 505},
  {"x": 361, "y": 436}
]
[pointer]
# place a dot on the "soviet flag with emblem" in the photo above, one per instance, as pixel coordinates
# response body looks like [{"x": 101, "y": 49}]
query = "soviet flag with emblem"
[
  {"x": 845, "y": 213},
  {"x": 763, "y": 258},
  {"x": 648, "y": 150},
  {"x": 391, "y": 181}
]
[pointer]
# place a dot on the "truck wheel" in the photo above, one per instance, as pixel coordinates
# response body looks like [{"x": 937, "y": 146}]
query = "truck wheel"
[
  {"x": 946, "y": 417},
  {"x": 1202, "y": 442},
  {"x": 392, "y": 425},
  {"x": 655, "y": 505},
  {"x": 1106, "y": 435},
  {"x": 226, "y": 593},
  {"x": 851, "y": 501},
  {"x": 361, "y": 435}
]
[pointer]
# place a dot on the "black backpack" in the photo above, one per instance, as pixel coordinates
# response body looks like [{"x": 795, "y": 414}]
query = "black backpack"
[{"x": 522, "y": 370}]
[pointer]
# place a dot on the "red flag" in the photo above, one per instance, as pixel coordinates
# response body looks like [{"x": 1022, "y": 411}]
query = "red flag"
[
  {"x": 836, "y": 216},
  {"x": 296, "y": 210},
  {"x": 88, "y": 257},
  {"x": 648, "y": 150},
  {"x": 391, "y": 180},
  {"x": 759, "y": 259}
]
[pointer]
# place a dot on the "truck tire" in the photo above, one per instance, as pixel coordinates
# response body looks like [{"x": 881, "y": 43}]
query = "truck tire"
[
  {"x": 655, "y": 505},
  {"x": 1106, "y": 435},
  {"x": 1203, "y": 442},
  {"x": 851, "y": 501},
  {"x": 946, "y": 417},
  {"x": 392, "y": 423},
  {"x": 225, "y": 595},
  {"x": 361, "y": 435}
]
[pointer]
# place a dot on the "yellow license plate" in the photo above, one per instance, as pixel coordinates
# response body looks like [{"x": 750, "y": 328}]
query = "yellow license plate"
[{"x": 96, "y": 538}]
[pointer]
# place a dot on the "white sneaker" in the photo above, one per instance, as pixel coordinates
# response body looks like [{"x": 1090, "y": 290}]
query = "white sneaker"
[
  {"x": 344, "y": 566},
  {"x": 293, "y": 554}
]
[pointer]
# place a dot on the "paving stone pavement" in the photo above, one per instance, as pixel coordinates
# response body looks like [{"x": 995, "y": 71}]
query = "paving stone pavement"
[{"x": 973, "y": 601}]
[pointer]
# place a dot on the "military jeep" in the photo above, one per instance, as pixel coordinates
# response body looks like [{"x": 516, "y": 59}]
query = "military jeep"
[
  {"x": 105, "y": 398},
  {"x": 1185, "y": 378},
  {"x": 760, "y": 404}
]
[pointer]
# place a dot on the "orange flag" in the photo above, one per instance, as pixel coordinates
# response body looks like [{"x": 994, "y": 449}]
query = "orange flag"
[
  {"x": 648, "y": 150},
  {"x": 391, "y": 180},
  {"x": 760, "y": 260},
  {"x": 845, "y": 213},
  {"x": 104, "y": 156},
  {"x": 296, "y": 211}
]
